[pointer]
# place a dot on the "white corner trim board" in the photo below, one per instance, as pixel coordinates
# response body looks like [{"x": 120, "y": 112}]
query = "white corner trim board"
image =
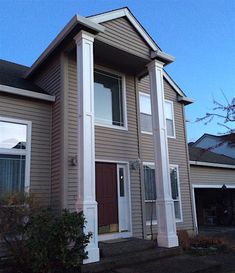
[
  {"x": 26, "y": 93},
  {"x": 209, "y": 164}
]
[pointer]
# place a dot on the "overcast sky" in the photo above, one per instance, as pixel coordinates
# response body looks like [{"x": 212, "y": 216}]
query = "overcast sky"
[{"x": 199, "y": 33}]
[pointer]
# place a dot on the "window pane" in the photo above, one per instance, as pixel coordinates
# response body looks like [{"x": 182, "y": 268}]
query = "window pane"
[
  {"x": 12, "y": 135},
  {"x": 145, "y": 104},
  {"x": 12, "y": 173},
  {"x": 146, "y": 123},
  {"x": 170, "y": 127},
  {"x": 150, "y": 210},
  {"x": 149, "y": 182},
  {"x": 174, "y": 183},
  {"x": 121, "y": 182},
  {"x": 177, "y": 209},
  {"x": 108, "y": 98},
  {"x": 168, "y": 110}
]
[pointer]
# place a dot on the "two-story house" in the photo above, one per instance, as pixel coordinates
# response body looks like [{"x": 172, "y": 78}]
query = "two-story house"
[{"x": 96, "y": 124}]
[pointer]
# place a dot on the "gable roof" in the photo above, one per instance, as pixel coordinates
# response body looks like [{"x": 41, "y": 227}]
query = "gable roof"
[
  {"x": 227, "y": 138},
  {"x": 125, "y": 12},
  {"x": 204, "y": 155}
]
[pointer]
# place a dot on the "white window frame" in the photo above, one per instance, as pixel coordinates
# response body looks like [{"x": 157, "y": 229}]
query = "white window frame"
[
  {"x": 173, "y": 118},
  {"x": 26, "y": 152},
  {"x": 178, "y": 220},
  {"x": 154, "y": 222},
  {"x": 146, "y": 95},
  {"x": 124, "y": 102}
]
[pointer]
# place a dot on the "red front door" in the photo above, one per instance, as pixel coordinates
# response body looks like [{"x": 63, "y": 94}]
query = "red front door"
[{"x": 106, "y": 196}]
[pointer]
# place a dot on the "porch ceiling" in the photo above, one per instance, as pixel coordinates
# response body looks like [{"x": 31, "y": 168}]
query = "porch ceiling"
[{"x": 123, "y": 61}]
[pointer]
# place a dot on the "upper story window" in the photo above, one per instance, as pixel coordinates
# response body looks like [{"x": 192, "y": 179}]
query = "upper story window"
[
  {"x": 109, "y": 99},
  {"x": 15, "y": 138},
  {"x": 170, "y": 124},
  {"x": 146, "y": 115}
]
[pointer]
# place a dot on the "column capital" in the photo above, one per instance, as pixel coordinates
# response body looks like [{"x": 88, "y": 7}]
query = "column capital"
[
  {"x": 155, "y": 63},
  {"x": 84, "y": 35}
]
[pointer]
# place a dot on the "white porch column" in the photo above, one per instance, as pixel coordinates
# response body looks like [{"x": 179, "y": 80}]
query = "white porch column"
[
  {"x": 86, "y": 141},
  {"x": 165, "y": 207}
]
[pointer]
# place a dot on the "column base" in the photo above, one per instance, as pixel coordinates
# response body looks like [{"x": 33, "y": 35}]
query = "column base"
[
  {"x": 93, "y": 255},
  {"x": 166, "y": 240}
]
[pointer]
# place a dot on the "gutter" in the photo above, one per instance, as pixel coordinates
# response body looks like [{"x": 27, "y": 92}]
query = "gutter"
[
  {"x": 209, "y": 164},
  {"x": 26, "y": 93}
]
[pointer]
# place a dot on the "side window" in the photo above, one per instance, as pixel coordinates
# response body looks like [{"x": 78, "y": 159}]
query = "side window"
[
  {"x": 145, "y": 113},
  {"x": 15, "y": 146},
  {"x": 174, "y": 174},
  {"x": 170, "y": 123},
  {"x": 150, "y": 192}
]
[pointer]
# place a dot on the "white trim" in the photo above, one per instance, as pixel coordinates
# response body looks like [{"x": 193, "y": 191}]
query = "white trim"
[
  {"x": 194, "y": 209},
  {"x": 76, "y": 19},
  {"x": 173, "y": 84},
  {"x": 179, "y": 190},
  {"x": 117, "y": 235},
  {"x": 26, "y": 152},
  {"x": 26, "y": 93},
  {"x": 147, "y": 133},
  {"x": 148, "y": 96},
  {"x": 124, "y": 99},
  {"x": 100, "y": 18},
  {"x": 209, "y": 164},
  {"x": 173, "y": 119}
]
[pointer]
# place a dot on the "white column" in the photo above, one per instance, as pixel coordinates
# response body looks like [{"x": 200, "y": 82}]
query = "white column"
[
  {"x": 167, "y": 236},
  {"x": 86, "y": 140}
]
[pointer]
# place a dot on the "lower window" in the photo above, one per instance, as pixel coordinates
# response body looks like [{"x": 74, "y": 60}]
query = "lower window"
[
  {"x": 151, "y": 194},
  {"x": 14, "y": 155}
]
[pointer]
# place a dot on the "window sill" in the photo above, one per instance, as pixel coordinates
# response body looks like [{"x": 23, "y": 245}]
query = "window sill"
[
  {"x": 123, "y": 128},
  {"x": 147, "y": 133},
  {"x": 148, "y": 223},
  {"x": 172, "y": 137}
]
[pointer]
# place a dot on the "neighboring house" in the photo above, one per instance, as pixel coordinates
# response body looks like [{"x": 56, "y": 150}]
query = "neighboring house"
[
  {"x": 213, "y": 187},
  {"x": 92, "y": 136},
  {"x": 223, "y": 144}
]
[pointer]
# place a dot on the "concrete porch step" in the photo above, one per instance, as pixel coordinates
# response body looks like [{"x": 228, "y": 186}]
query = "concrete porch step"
[
  {"x": 123, "y": 246},
  {"x": 126, "y": 259}
]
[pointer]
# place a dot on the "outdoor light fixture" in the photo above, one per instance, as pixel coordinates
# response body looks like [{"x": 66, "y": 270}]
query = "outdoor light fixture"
[
  {"x": 135, "y": 165},
  {"x": 224, "y": 187},
  {"x": 74, "y": 160}
]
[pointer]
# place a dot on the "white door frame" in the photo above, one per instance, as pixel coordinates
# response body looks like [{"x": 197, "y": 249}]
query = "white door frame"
[
  {"x": 127, "y": 234},
  {"x": 205, "y": 186}
]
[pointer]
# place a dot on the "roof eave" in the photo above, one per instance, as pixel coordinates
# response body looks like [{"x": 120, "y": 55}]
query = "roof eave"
[
  {"x": 162, "y": 56},
  {"x": 77, "y": 19}
]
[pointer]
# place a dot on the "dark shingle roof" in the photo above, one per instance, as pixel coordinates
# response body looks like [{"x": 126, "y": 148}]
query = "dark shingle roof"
[
  {"x": 204, "y": 155},
  {"x": 12, "y": 74}
]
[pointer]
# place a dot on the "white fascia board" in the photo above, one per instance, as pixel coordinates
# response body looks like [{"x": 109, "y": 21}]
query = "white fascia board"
[
  {"x": 172, "y": 83},
  {"x": 26, "y": 93},
  {"x": 77, "y": 19},
  {"x": 209, "y": 164},
  {"x": 162, "y": 55},
  {"x": 101, "y": 18}
]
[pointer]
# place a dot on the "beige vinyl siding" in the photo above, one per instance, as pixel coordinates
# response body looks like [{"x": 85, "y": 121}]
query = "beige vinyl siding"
[
  {"x": 39, "y": 113},
  {"x": 50, "y": 80},
  {"x": 121, "y": 34},
  {"x": 72, "y": 132},
  {"x": 211, "y": 176},
  {"x": 121, "y": 145},
  {"x": 177, "y": 151}
]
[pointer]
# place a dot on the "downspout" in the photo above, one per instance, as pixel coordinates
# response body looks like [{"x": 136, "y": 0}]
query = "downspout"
[{"x": 141, "y": 173}]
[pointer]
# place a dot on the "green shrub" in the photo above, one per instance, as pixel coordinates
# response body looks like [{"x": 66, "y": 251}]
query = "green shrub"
[{"x": 39, "y": 241}]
